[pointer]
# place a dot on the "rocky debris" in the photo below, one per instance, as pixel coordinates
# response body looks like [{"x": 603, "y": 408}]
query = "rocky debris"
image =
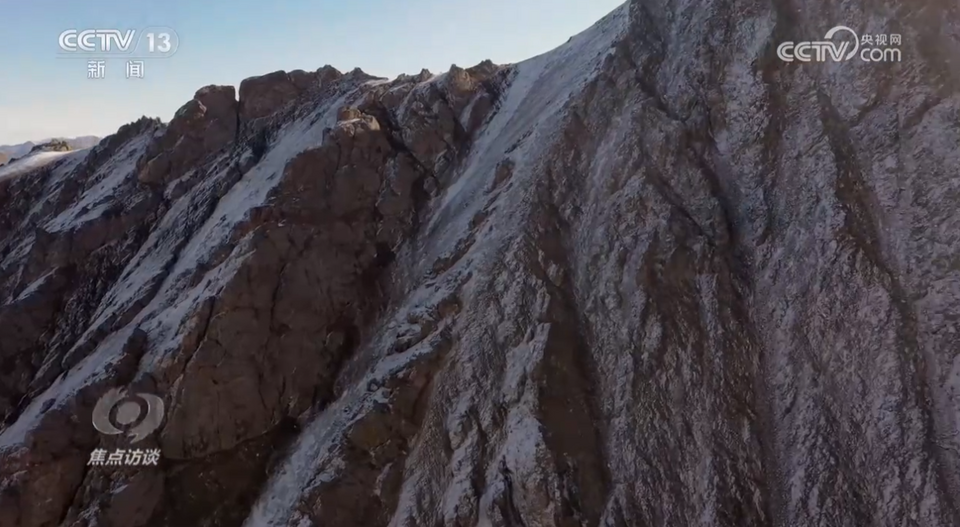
[
  {"x": 205, "y": 124},
  {"x": 3, "y": 158},
  {"x": 627, "y": 282}
]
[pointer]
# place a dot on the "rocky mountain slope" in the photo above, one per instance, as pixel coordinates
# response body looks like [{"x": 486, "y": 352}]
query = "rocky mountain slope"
[{"x": 656, "y": 276}]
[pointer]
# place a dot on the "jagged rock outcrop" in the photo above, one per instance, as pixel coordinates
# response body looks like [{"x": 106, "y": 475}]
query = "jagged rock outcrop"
[
  {"x": 657, "y": 276},
  {"x": 204, "y": 125},
  {"x": 327, "y": 74},
  {"x": 264, "y": 95}
]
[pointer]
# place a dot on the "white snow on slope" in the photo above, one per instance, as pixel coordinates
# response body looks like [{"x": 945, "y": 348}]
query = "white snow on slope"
[
  {"x": 35, "y": 286},
  {"x": 30, "y": 162},
  {"x": 102, "y": 188},
  {"x": 62, "y": 394},
  {"x": 152, "y": 260},
  {"x": 255, "y": 186},
  {"x": 530, "y": 109},
  {"x": 314, "y": 460},
  {"x": 532, "y": 105},
  {"x": 175, "y": 300},
  {"x": 50, "y": 193},
  {"x": 177, "y": 296},
  {"x": 528, "y": 115}
]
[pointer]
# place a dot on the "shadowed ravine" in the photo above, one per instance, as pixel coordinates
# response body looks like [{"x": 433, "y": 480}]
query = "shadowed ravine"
[{"x": 655, "y": 277}]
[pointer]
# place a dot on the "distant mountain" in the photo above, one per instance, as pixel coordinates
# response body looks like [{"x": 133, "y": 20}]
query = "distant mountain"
[{"x": 8, "y": 152}]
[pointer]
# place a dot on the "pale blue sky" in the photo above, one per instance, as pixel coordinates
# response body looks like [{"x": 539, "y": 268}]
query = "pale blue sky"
[{"x": 223, "y": 42}]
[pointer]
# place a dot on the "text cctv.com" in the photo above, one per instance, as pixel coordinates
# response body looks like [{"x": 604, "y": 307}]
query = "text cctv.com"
[
  {"x": 826, "y": 49},
  {"x": 789, "y": 51}
]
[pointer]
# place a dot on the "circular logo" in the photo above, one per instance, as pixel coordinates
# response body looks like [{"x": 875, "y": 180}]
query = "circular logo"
[
  {"x": 137, "y": 415},
  {"x": 856, "y": 39}
]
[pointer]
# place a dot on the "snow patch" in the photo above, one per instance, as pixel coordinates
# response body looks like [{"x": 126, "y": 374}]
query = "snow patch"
[
  {"x": 35, "y": 286},
  {"x": 528, "y": 114},
  {"x": 276, "y": 505},
  {"x": 63, "y": 392},
  {"x": 33, "y": 161},
  {"x": 99, "y": 197},
  {"x": 313, "y": 460},
  {"x": 255, "y": 186}
]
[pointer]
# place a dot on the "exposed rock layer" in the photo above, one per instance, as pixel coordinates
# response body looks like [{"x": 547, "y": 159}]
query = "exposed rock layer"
[{"x": 654, "y": 277}]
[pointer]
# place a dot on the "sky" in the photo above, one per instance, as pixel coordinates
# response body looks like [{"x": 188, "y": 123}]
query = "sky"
[{"x": 44, "y": 95}]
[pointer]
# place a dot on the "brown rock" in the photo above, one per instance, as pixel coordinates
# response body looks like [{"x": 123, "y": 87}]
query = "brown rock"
[
  {"x": 348, "y": 114},
  {"x": 203, "y": 125},
  {"x": 304, "y": 81},
  {"x": 484, "y": 70},
  {"x": 220, "y": 101},
  {"x": 327, "y": 74},
  {"x": 263, "y": 95}
]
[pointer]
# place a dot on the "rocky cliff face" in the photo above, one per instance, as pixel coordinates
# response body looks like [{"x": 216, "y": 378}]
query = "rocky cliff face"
[{"x": 654, "y": 277}]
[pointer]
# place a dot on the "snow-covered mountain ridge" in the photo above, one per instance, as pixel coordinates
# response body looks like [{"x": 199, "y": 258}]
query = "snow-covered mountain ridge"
[
  {"x": 653, "y": 277},
  {"x": 22, "y": 149},
  {"x": 29, "y": 162}
]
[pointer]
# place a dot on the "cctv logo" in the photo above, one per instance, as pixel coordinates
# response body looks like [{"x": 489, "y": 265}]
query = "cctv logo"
[
  {"x": 821, "y": 50},
  {"x": 96, "y": 40},
  {"x": 116, "y": 406}
]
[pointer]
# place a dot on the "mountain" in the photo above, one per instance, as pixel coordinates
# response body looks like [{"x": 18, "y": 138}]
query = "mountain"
[
  {"x": 22, "y": 149},
  {"x": 38, "y": 156},
  {"x": 657, "y": 276},
  {"x": 31, "y": 161},
  {"x": 13, "y": 151}
]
